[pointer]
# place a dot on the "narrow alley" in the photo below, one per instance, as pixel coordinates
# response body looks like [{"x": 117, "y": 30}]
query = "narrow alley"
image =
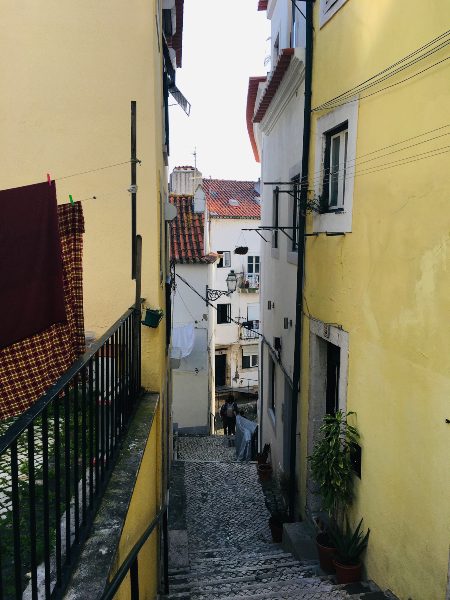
[{"x": 220, "y": 539}]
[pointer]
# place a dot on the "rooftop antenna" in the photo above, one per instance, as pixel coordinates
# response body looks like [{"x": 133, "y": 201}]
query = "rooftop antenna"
[{"x": 194, "y": 154}]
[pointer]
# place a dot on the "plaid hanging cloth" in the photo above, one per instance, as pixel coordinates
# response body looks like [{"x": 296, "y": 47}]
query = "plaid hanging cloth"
[{"x": 29, "y": 367}]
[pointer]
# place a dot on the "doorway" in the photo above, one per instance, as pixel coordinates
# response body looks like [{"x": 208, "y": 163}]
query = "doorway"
[
  {"x": 221, "y": 369},
  {"x": 333, "y": 371}
]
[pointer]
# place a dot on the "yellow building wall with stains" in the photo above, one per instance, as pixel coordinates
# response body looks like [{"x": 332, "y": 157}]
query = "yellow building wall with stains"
[
  {"x": 387, "y": 284},
  {"x": 144, "y": 505},
  {"x": 69, "y": 71}
]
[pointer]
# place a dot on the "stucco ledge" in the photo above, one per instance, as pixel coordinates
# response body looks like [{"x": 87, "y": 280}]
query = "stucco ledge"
[{"x": 99, "y": 551}]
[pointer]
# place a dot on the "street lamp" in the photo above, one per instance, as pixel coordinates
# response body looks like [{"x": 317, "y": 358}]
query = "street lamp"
[{"x": 213, "y": 295}]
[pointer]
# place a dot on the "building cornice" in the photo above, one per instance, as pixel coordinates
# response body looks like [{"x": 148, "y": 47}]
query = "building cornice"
[{"x": 292, "y": 80}]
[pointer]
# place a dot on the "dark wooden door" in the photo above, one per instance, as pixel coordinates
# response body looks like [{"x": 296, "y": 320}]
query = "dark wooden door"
[
  {"x": 333, "y": 368},
  {"x": 221, "y": 369}
]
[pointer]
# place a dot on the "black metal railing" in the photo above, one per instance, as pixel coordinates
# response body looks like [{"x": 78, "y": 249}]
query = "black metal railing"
[
  {"x": 130, "y": 564},
  {"x": 57, "y": 458}
]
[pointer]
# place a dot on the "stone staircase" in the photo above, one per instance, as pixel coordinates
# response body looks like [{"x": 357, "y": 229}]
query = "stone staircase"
[
  {"x": 217, "y": 507},
  {"x": 265, "y": 571}
]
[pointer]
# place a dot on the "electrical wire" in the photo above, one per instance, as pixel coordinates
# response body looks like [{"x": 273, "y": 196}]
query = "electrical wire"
[
  {"x": 261, "y": 335},
  {"x": 298, "y": 8},
  {"x": 390, "y": 86},
  {"x": 322, "y": 172},
  {"x": 126, "y": 162},
  {"x": 362, "y": 87},
  {"x": 371, "y": 80}
]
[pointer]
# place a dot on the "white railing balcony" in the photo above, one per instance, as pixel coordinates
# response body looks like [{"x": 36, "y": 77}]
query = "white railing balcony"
[
  {"x": 249, "y": 283},
  {"x": 250, "y": 334}
]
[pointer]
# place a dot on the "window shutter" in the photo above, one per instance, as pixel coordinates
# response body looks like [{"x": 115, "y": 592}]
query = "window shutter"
[{"x": 249, "y": 350}]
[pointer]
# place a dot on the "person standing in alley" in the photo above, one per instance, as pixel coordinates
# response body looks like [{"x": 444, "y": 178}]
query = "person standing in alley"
[{"x": 228, "y": 412}]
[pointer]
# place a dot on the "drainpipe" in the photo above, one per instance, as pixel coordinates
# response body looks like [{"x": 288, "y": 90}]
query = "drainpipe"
[{"x": 301, "y": 256}]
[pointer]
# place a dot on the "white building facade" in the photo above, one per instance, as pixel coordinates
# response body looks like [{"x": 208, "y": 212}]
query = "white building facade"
[
  {"x": 192, "y": 330},
  {"x": 275, "y": 125}
]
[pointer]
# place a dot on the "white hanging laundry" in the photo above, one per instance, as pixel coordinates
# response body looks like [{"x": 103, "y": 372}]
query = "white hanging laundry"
[{"x": 183, "y": 337}]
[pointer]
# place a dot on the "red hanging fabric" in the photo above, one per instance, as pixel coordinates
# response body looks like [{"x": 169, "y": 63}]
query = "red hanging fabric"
[
  {"x": 29, "y": 367},
  {"x": 31, "y": 280}
]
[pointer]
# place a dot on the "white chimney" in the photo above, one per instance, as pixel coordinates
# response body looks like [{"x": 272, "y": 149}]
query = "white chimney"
[
  {"x": 184, "y": 180},
  {"x": 199, "y": 200}
]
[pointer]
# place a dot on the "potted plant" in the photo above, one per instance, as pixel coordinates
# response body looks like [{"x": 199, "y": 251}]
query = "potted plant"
[
  {"x": 331, "y": 469},
  {"x": 265, "y": 471},
  {"x": 261, "y": 457},
  {"x": 349, "y": 547},
  {"x": 276, "y": 520}
]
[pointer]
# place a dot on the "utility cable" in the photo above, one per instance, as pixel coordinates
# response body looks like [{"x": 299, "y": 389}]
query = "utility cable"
[
  {"x": 126, "y": 162},
  {"x": 261, "y": 335},
  {"x": 355, "y": 89},
  {"x": 322, "y": 172},
  {"x": 390, "y": 86},
  {"x": 362, "y": 87}
]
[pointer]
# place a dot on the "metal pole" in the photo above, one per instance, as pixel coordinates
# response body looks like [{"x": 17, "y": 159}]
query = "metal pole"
[
  {"x": 133, "y": 188},
  {"x": 137, "y": 311}
]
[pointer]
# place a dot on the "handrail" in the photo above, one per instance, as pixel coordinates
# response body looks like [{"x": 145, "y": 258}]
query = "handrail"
[
  {"x": 122, "y": 572},
  {"x": 19, "y": 426}
]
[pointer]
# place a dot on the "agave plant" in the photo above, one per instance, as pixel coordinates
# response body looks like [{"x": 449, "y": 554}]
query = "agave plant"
[
  {"x": 349, "y": 544},
  {"x": 331, "y": 464}
]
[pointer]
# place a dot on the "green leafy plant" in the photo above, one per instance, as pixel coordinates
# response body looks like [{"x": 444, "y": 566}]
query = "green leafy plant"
[
  {"x": 331, "y": 464},
  {"x": 349, "y": 544}
]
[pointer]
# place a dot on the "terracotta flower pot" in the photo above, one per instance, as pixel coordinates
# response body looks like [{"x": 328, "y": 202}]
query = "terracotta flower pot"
[
  {"x": 326, "y": 553},
  {"x": 347, "y": 573},
  {"x": 264, "y": 472}
]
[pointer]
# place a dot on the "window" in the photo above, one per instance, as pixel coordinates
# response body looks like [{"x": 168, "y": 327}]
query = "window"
[
  {"x": 335, "y": 168},
  {"x": 225, "y": 259},
  {"x": 328, "y": 8},
  {"x": 223, "y": 313},
  {"x": 253, "y": 270},
  {"x": 249, "y": 357},
  {"x": 275, "y": 218},
  {"x": 335, "y": 150},
  {"x": 295, "y": 210}
]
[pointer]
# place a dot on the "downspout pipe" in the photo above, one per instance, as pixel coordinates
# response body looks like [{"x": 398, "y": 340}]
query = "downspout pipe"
[{"x": 296, "y": 377}]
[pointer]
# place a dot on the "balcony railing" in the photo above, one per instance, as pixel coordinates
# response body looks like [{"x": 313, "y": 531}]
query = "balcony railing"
[
  {"x": 57, "y": 458},
  {"x": 249, "y": 282},
  {"x": 250, "y": 334}
]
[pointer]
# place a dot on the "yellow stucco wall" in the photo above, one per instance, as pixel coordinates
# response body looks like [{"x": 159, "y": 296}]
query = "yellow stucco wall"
[
  {"x": 69, "y": 71},
  {"x": 144, "y": 506},
  {"x": 387, "y": 284}
]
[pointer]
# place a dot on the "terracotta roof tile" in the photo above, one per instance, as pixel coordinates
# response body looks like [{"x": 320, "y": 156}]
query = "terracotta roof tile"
[
  {"x": 186, "y": 233},
  {"x": 253, "y": 85},
  {"x": 273, "y": 83},
  {"x": 219, "y": 192}
]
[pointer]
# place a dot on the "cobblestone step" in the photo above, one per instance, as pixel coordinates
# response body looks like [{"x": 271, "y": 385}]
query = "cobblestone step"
[
  {"x": 258, "y": 571},
  {"x": 237, "y": 557},
  {"x": 301, "y": 588}
]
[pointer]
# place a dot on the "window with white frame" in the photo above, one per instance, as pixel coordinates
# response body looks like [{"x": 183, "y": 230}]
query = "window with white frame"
[
  {"x": 250, "y": 356},
  {"x": 328, "y": 8},
  {"x": 224, "y": 260},
  {"x": 253, "y": 270},
  {"x": 334, "y": 168}
]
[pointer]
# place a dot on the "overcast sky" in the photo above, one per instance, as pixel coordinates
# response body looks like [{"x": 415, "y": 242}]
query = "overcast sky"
[{"x": 224, "y": 43}]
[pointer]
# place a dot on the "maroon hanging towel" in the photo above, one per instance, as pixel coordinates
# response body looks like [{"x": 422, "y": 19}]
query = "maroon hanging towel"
[
  {"x": 31, "y": 277},
  {"x": 29, "y": 367}
]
